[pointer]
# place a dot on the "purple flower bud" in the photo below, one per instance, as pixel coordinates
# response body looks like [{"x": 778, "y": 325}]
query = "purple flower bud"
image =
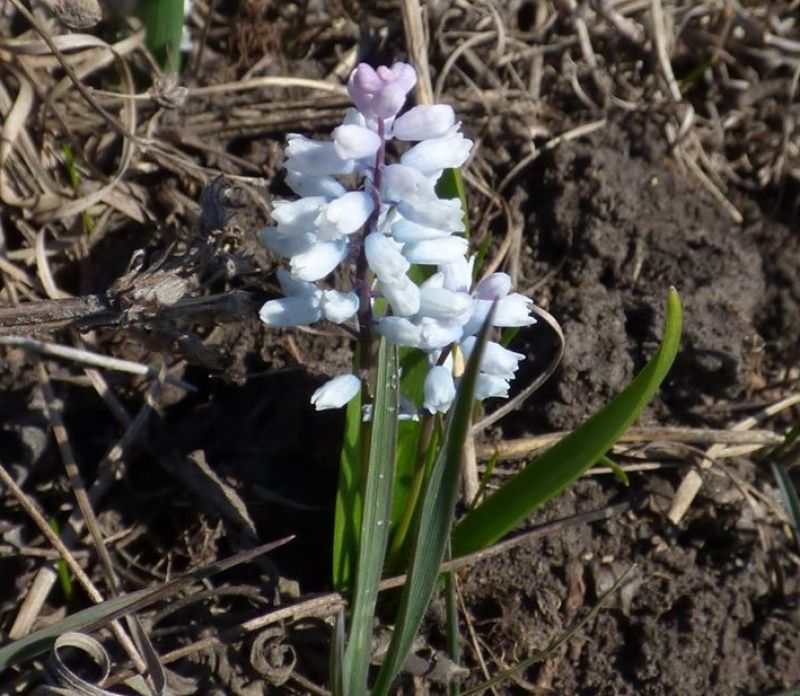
[{"x": 381, "y": 93}]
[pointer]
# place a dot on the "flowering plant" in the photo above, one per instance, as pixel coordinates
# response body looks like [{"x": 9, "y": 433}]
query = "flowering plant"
[
  {"x": 392, "y": 221},
  {"x": 406, "y": 291}
]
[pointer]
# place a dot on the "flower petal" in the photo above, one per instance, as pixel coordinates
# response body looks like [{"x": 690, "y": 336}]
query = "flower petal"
[
  {"x": 403, "y": 297},
  {"x": 291, "y": 311},
  {"x": 312, "y": 185},
  {"x": 514, "y": 310},
  {"x": 314, "y": 157},
  {"x": 497, "y": 361},
  {"x": 345, "y": 215},
  {"x": 355, "y": 142},
  {"x": 424, "y": 121},
  {"x": 319, "y": 260},
  {"x": 488, "y": 386},
  {"x": 439, "y": 390},
  {"x": 336, "y": 392},
  {"x": 436, "y": 251},
  {"x": 385, "y": 258},
  {"x": 338, "y": 306},
  {"x": 493, "y": 287},
  {"x": 400, "y": 331},
  {"x": 432, "y": 156},
  {"x": 442, "y": 304}
]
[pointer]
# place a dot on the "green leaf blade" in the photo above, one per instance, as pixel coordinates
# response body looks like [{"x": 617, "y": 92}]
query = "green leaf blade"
[
  {"x": 550, "y": 473},
  {"x": 435, "y": 520},
  {"x": 375, "y": 520}
]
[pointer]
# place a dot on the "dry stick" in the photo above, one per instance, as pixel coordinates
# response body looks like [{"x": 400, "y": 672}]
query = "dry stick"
[
  {"x": 89, "y": 358},
  {"x": 692, "y": 482},
  {"x": 94, "y": 594},
  {"x": 328, "y": 604},
  {"x": 522, "y": 447},
  {"x": 473, "y": 636}
]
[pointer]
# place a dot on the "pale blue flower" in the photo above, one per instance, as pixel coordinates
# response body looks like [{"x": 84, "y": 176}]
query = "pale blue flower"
[
  {"x": 336, "y": 392},
  {"x": 432, "y": 156},
  {"x": 436, "y": 251},
  {"x": 345, "y": 215},
  {"x": 439, "y": 389},
  {"x": 308, "y": 156},
  {"x": 424, "y": 121},
  {"x": 318, "y": 260},
  {"x": 403, "y": 297},
  {"x": 385, "y": 258},
  {"x": 496, "y": 360}
]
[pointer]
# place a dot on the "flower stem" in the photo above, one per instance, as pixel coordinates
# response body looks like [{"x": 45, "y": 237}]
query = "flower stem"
[{"x": 362, "y": 269}]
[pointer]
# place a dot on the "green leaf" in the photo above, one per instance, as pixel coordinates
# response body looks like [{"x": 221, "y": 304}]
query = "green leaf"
[
  {"x": 163, "y": 23},
  {"x": 375, "y": 520},
  {"x": 435, "y": 519},
  {"x": 617, "y": 470},
  {"x": 347, "y": 522},
  {"x": 550, "y": 473},
  {"x": 94, "y": 617}
]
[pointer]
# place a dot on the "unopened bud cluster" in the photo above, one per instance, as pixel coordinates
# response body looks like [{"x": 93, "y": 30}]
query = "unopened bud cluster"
[{"x": 392, "y": 221}]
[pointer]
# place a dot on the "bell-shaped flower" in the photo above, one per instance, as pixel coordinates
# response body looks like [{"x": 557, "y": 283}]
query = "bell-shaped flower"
[
  {"x": 457, "y": 275},
  {"x": 496, "y": 360},
  {"x": 336, "y": 392},
  {"x": 488, "y": 386},
  {"x": 313, "y": 185},
  {"x": 435, "y": 334},
  {"x": 381, "y": 93},
  {"x": 514, "y": 310},
  {"x": 345, "y": 215},
  {"x": 439, "y": 389},
  {"x": 493, "y": 287},
  {"x": 405, "y": 231},
  {"x": 296, "y": 217},
  {"x": 308, "y": 156},
  {"x": 355, "y": 142},
  {"x": 338, "y": 306},
  {"x": 319, "y": 260},
  {"x": 442, "y": 304},
  {"x": 291, "y": 311},
  {"x": 445, "y": 214},
  {"x": 423, "y": 122},
  {"x": 406, "y": 183},
  {"x": 435, "y": 154},
  {"x": 400, "y": 331},
  {"x": 287, "y": 246},
  {"x": 436, "y": 251},
  {"x": 385, "y": 258},
  {"x": 403, "y": 297}
]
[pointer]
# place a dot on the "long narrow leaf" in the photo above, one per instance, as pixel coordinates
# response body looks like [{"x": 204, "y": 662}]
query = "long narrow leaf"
[
  {"x": 435, "y": 520},
  {"x": 375, "y": 520},
  {"x": 550, "y": 473},
  {"x": 347, "y": 522}
]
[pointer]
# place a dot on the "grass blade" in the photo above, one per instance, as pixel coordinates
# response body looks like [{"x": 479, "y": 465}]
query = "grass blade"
[
  {"x": 435, "y": 520},
  {"x": 375, "y": 520},
  {"x": 163, "y": 22},
  {"x": 550, "y": 473},
  {"x": 347, "y": 521}
]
